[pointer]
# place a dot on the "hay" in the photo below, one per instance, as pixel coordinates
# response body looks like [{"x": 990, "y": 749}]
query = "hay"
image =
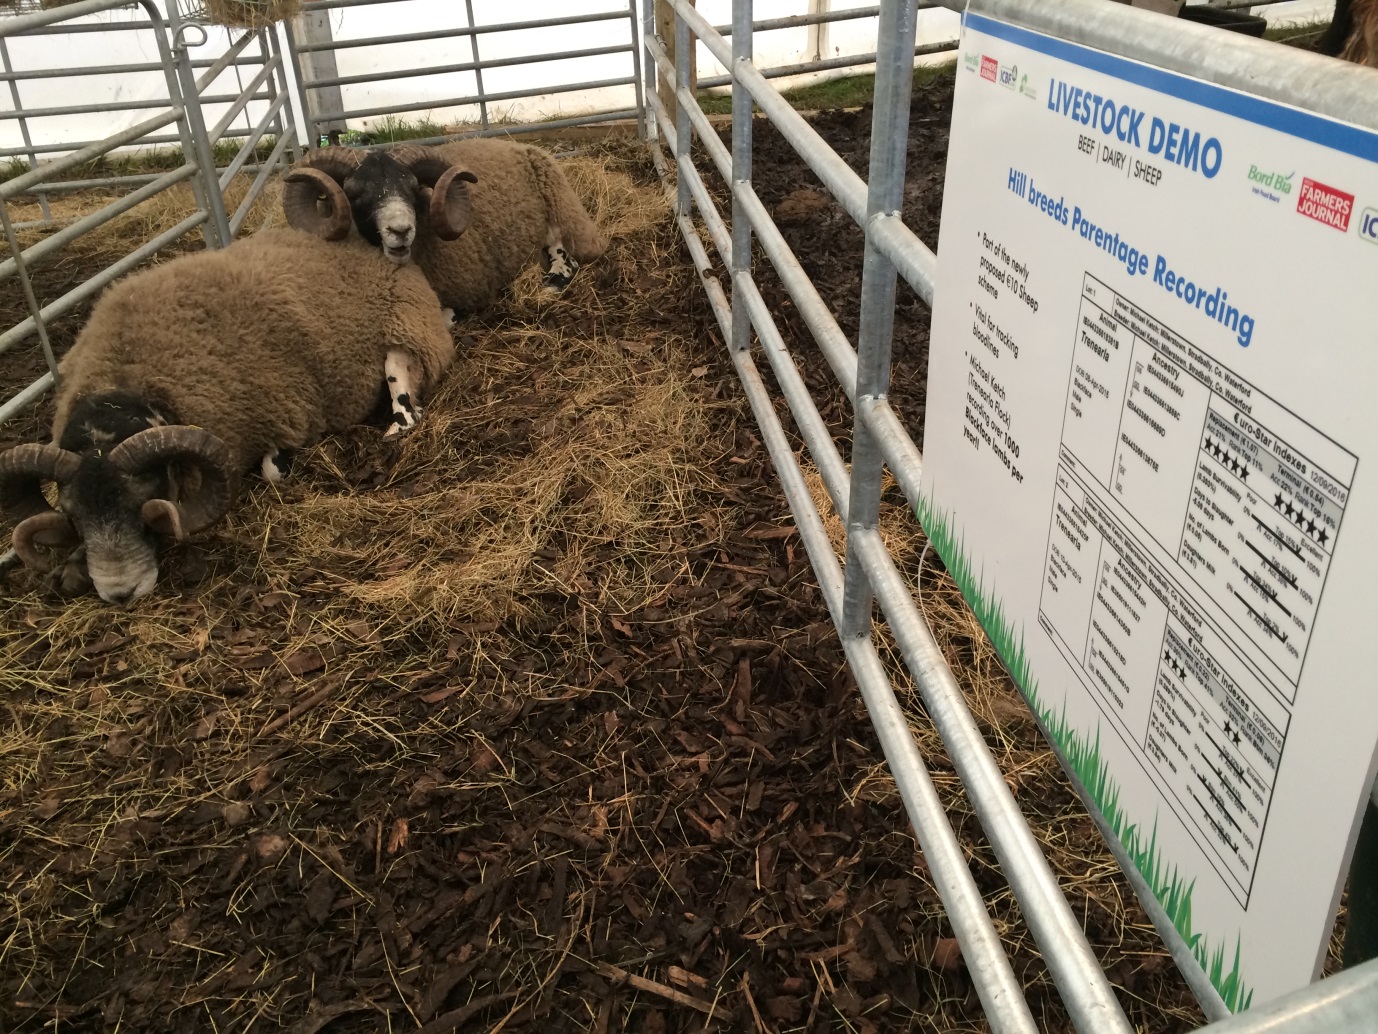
[{"x": 250, "y": 14}]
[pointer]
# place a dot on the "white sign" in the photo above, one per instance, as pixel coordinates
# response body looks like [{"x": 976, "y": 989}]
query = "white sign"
[{"x": 1151, "y": 445}]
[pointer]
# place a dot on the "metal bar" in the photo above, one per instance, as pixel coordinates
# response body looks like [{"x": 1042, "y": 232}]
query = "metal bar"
[
  {"x": 1290, "y": 76},
  {"x": 885, "y": 194},
  {"x": 523, "y": 128},
  {"x": 29, "y": 395},
  {"x": 256, "y": 188},
  {"x": 708, "y": 136},
  {"x": 28, "y": 22},
  {"x": 1345, "y": 1002},
  {"x": 309, "y": 134},
  {"x": 180, "y": 77},
  {"x": 799, "y": 21},
  {"x": 131, "y": 105},
  {"x": 11, "y": 152},
  {"x": 636, "y": 71},
  {"x": 464, "y": 66},
  {"x": 143, "y": 66},
  {"x": 683, "y": 133},
  {"x": 650, "y": 63},
  {"x": 232, "y": 170},
  {"x": 663, "y": 117},
  {"x": 416, "y": 37},
  {"x": 243, "y": 100},
  {"x": 224, "y": 61},
  {"x": 23, "y": 125},
  {"x": 846, "y": 61},
  {"x": 478, "y": 67},
  {"x": 97, "y": 218},
  {"x": 97, "y": 283},
  {"x": 971, "y": 922},
  {"x": 36, "y": 313},
  {"x": 21, "y": 184},
  {"x": 742, "y": 54},
  {"x": 712, "y": 220},
  {"x": 459, "y": 102},
  {"x": 283, "y": 126},
  {"x": 108, "y": 183}
]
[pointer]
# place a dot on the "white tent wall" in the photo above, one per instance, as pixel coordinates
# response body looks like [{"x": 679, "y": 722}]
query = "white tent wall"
[{"x": 773, "y": 48}]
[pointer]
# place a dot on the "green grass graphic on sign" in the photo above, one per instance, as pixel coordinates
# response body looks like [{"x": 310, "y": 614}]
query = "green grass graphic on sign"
[{"x": 1082, "y": 752}]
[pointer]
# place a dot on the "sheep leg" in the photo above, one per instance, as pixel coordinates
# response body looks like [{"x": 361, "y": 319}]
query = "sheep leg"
[
  {"x": 449, "y": 315},
  {"x": 402, "y": 385},
  {"x": 559, "y": 265},
  {"x": 275, "y": 464}
]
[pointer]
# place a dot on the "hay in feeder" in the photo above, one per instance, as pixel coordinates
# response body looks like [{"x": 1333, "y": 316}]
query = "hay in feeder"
[{"x": 250, "y": 14}]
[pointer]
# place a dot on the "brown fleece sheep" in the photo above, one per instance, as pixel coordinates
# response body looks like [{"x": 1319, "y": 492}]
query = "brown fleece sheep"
[
  {"x": 190, "y": 373},
  {"x": 497, "y": 207}
]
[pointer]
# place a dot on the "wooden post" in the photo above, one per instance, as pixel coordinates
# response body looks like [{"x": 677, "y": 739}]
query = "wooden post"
[
  {"x": 665, "y": 29},
  {"x": 322, "y": 106}
]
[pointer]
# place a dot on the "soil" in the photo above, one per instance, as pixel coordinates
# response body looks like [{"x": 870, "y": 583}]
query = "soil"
[{"x": 669, "y": 818}]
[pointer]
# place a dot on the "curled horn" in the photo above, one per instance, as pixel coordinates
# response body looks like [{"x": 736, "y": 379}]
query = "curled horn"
[
  {"x": 178, "y": 442},
  {"x": 23, "y": 470},
  {"x": 300, "y": 189},
  {"x": 320, "y": 174},
  {"x": 450, "y": 207}
]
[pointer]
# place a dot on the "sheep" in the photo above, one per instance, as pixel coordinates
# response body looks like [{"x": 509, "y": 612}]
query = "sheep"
[
  {"x": 191, "y": 373},
  {"x": 513, "y": 198},
  {"x": 1353, "y": 33}
]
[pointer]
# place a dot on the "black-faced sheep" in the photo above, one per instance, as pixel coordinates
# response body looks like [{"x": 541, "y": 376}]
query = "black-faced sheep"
[
  {"x": 413, "y": 202},
  {"x": 190, "y": 373}
]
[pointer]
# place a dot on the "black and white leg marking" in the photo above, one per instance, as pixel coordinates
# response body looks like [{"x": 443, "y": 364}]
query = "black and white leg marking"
[
  {"x": 560, "y": 266},
  {"x": 276, "y": 464},
  {"x": 402, "y": 385},
  {"x": 449, "y": 315}
]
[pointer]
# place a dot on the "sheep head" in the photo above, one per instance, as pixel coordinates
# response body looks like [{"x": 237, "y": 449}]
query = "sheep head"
[
  {"x": 116, "y": 502},
  {"x": 382, "y": 191}
]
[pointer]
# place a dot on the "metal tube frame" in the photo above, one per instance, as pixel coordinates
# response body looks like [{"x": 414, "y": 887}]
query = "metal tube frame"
[{"x": 1342, "y": 1004}]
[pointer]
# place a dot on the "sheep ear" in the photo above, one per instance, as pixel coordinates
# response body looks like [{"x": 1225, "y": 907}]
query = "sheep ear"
[
  {"x": 163, "y": 516},
  {"x": 451, "y": 208}
]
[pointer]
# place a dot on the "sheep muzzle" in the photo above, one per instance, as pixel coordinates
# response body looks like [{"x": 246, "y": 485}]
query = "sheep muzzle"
[
  {"x": 301, "y": 188},
  {"x": 176, "y": 443}
]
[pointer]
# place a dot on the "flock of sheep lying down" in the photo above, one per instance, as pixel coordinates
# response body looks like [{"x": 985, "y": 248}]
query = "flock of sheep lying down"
[{"x": 190, "y": 374}]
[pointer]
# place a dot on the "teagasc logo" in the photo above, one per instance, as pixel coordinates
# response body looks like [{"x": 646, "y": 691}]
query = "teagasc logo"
[
  {"x": 989, "y": 68},
  {"x": 1368, "y": 225},
  {"x": 1025, "y": 88}
]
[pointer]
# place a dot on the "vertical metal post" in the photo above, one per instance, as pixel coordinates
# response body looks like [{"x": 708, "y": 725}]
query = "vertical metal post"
[
  {"x": 885, "y": 195},
  {"x": 309, "y": 136},
  {"x": 24, "y": 127},
  {"x": 636, "y": 72},
  {"x": 684, "y": 132},
  {"x": 323, "y": 105},
  {"x": 277, "y": 82},
  {"x": 742, "y": 52},
  {"x": 648, "y": 68},
  {"x": 21, "y": 268},
  {"x": 195, "y": 143},
  {"x": 478, "y": 66}
]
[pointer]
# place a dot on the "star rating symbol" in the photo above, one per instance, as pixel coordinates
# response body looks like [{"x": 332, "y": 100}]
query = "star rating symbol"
[
  {"x": 1322, "y": 535},
  {"x": 1291, "y": 510},
  {"x": 1228, "y": 727},
  {"x": 1236, "y": 737},
  {"x": 1277, "y": 501},
  {"x": 1310, "y": 526}
]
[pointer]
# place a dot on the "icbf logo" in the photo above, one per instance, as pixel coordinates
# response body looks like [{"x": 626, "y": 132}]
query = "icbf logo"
[
  {"x": 1009, "y": 76},
  {"x": 1368, "y": 225}
]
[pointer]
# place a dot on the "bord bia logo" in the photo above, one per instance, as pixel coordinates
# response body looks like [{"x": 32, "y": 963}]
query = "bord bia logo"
[
  {"x": 990, "y": 68},
  {"x": 1325, "y": 204},
  {"x": 1368, "y": 225},
  {"x": 972, "y": 62},
  {"x": 1273, "y": 186}
]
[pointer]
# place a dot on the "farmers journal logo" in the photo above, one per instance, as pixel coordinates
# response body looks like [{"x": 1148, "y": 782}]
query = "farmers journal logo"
[
  {"x": 990, "y": 68},
  {"x": 1325, "y": 204}
]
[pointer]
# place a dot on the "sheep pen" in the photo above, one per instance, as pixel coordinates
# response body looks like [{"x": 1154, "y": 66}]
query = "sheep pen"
[{"x": 534, "y": 719}]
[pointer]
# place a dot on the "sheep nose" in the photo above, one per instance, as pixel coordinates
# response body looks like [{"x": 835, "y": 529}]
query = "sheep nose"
[
  {"x": 121, "y": 596},
  {"x": 400, "y": 231}
]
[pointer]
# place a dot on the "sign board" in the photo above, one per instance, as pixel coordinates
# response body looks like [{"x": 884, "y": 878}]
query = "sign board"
[{"x": 1152, "y": 465}]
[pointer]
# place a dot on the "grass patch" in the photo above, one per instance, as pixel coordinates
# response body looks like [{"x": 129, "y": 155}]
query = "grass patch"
[
  {"x": 1303, "y": 36},
  {"x": 390, "y": 129},
  {"x": 850, "y": 91},
  {"x": 1083, "y": 755},
  {"x": 134, "y": 163}
]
